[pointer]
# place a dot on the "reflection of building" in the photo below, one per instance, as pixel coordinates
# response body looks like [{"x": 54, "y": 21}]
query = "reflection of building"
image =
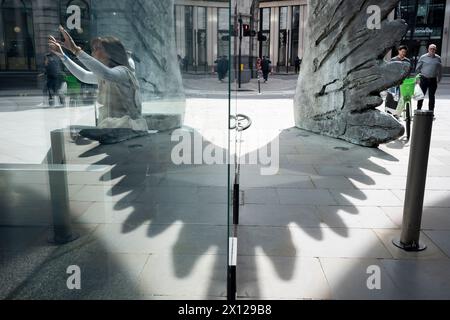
[
  {"x": 24, "y": 28},
  {"x": 202, "y": 31},
  {"x": 428, "y": 23},
  {"x": 17, "y": 44},
  {"x": 202, "y": 28},
  {"x": 283, "y": 23}
]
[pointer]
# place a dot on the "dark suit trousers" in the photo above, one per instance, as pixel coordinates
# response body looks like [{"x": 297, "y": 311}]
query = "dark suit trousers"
[{"x": 428, "y": 85}]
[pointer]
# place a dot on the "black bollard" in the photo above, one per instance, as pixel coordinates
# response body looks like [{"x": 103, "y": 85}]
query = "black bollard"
[
  {"x": 232, "y": 267},
  {"x": 259, "y": 85},
  {"x": 415, "y": 186},
  {"x": 408, "y": 121},
  {"x": 62, "y": 230}
]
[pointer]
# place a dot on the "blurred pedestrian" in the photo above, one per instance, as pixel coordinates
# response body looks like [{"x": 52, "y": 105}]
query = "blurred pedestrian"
[
  {"x": 185, "y": 62},
  {"x": 259, "y": 68},
  {"x": 55, "y": 79},
  {"x": 265, "y": 66},
  {"x": 222, "y": 67},
  {"x": 297, "y": 64}
]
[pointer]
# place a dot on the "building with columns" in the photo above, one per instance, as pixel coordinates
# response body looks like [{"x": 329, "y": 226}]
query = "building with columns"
[
  {"x": 283, "y": 25},
  {"x": 24, "y": 29},
  {"x": 202, "y": 32},
  {"x": 202, "y": 28},
  {"x": 428, "y": 22}
]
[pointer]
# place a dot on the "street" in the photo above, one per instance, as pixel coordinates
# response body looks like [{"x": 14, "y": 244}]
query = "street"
[{"x": 311, "y": 231}]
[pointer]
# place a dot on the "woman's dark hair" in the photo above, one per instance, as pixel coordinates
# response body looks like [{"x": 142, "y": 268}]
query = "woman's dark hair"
[
  {"x": 402, "y": 47},
  {"x": 115, "y": 49}
]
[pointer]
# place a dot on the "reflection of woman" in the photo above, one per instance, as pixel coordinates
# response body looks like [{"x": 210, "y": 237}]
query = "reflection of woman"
[{"x": 120, "y": 104}]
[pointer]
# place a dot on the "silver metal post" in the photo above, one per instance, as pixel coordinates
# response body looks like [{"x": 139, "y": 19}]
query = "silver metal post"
[
  {"x": 62, "y": 230},
  {"x": 415, "y": 186}
]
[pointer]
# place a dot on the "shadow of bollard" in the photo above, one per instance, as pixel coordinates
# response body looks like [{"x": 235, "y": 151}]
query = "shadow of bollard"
[
  {"x": 415, "y": 185},
  {"x": 62, "y": 229}
]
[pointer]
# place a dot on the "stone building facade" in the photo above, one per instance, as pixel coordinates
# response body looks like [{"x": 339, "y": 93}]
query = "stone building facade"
[
  {"x": 144, "y": 26},
  {"x": 199, "y": 29},
  {"x": 202, "y": 25},
  {"x": 283, "y": 24},
  {"x": 24, "y": 29}
]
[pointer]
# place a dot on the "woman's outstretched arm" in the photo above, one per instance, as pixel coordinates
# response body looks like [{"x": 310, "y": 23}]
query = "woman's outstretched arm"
[
  {"x": 102, "y": 71},
  {"x": 98, "y": 69},
  {"x": 80, "y": 73}
]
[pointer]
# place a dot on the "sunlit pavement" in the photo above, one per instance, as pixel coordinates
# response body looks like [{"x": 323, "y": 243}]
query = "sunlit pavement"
[
  {"x": 208, "y": 86},
  {"x": 154, "y": 230}
]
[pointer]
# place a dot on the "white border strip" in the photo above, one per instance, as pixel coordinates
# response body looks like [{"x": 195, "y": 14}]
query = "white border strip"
[
  {"x": 232, "y": 255},
  {"x": 55, "y": 167}
]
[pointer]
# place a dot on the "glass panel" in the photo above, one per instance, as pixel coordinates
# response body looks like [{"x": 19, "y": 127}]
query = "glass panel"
[
  {"x": 2, "y": 45},
  {"x": 189, "y": 36},
  {"x": 114, "y": 179},
  {"x": 282, "y": 47},
  {"x": 425, "y": 19},
  {"x": 202, "y": 38},
  {"x": 223, "y": 33},
  {"x": 295, "y": 33},
  {"x": 264, "y": 49},
  {"x": 80, "y": 34},
  {"x": 18, "y": 36}
]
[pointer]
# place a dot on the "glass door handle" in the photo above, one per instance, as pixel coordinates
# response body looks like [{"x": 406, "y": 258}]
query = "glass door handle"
[{"x": 241, "y": 122}]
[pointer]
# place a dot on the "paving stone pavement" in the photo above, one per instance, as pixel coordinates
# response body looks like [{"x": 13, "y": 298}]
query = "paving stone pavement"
[{"x": 151, "y": 229}]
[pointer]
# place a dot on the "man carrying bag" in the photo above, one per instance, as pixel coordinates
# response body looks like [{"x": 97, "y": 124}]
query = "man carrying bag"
[{"x": 430, "y": 69}]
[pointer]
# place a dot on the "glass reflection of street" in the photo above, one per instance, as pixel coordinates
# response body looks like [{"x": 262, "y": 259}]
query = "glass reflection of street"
[{"x": 152, "y": 229}]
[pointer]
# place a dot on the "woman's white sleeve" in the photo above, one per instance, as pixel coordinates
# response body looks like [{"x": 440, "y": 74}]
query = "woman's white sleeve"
[
  {"x": 102, "y": 71},
  {"x": 80, "y": 73}
]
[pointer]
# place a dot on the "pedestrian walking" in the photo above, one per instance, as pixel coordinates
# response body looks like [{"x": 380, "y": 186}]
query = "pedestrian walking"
[
  {"x": 393, "y": 94},
  {"x": 402, "y": 56},
  {"x": 265, "y": 66},
  {"x": 55, "y": 79},
  {"x": 185, "y": 63},
  {"x": 430, "y": 69},
  {"x": 258, "y": 64},
  {"x": 297, "y": 64},
  {"x": 259, "y": 67},
  {"x": 222, "y": 67}
]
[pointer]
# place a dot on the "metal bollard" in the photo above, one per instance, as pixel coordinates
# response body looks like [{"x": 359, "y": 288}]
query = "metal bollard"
[
  {"x": 259, "y": 85},
  {"x": 408, "y": 120},
  {"x": 62, "y": 229},
  {"x": 415, "y": 186}
]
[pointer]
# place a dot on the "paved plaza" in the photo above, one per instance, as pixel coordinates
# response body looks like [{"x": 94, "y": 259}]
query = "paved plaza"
[{"x": 151, "y": 229}]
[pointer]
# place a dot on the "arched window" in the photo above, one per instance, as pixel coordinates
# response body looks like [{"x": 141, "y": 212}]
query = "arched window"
[
  {"x": 82, "y": 36},
  {"x": 17, "y": 46}
]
